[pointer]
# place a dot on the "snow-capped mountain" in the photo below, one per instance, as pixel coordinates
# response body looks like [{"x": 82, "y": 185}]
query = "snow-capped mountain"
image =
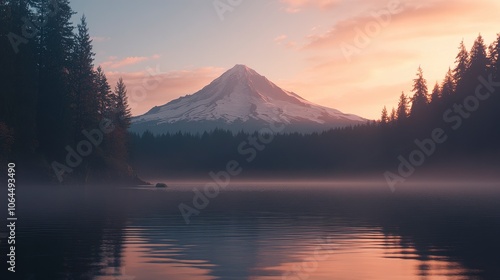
[{"x": 241, "y": 99}]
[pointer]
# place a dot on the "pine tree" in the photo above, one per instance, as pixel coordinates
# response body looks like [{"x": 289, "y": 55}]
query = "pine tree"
[
  {"x": 494, "y": 58},
  {"x": 462, "y": 65},
  {"x": 55, "y": 127},
  {"x": 420, "y": 97},
  {"x": 121, "y": 120},
  {"x": 393, "y": 117},
  {"x": 448, "y": 87},
  {"x": 384, "y": 119},
  {"x": 18, "y": 74},
  {"x": 104, "y": 94},
  {"x": 478, "y": 62},
  {"x": 402, "y": 111},
  {"x": 123, "y": 113},
  {"x": 436, "y": 94},
  {"x": 84, "y": 88}
]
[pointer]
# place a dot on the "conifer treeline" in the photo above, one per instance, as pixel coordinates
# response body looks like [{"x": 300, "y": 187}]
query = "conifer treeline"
[
  {"x": 471, "y": 124},
  {"x": 458, "y": 83},
  {"x": 52, "y": 91}
]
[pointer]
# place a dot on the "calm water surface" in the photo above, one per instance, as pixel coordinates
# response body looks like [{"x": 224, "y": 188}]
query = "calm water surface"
[{"x": 258, "y": 231}]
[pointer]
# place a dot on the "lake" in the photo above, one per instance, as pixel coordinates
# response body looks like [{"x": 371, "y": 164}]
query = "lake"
[{"x": 278, "y": 230}]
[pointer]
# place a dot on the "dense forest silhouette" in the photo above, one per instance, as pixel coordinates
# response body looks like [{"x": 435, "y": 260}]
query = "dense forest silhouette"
[
  {"x": 59, "y": 118},
  {"x": 462, "y": 112}
]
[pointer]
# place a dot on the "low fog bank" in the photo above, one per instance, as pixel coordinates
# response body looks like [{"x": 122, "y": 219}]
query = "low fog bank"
[
  {"x": 458, "y": 177},
  {"x": 471, "y": 175}
]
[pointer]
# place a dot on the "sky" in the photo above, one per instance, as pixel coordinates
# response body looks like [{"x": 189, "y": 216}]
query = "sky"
[{"x": 356, "y": 56}]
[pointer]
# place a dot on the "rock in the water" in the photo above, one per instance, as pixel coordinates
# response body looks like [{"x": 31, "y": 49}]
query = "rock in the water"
[{"x": 161, "y": 185}]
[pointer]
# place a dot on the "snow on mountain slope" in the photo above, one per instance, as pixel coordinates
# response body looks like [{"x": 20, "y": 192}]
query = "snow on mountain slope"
[{"x": 238, "y": 96}]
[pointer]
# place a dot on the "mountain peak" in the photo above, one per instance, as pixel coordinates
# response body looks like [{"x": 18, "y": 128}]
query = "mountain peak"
[
  {"x": 241, "y": 99},
  {"x": 241, "y": 69},
  {"x": 238, "y": 66}
]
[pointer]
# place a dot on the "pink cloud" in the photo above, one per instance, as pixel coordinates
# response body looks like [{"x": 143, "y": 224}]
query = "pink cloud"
[
  {"x": 284, "y": 41},
  {"x": 114, "y": 63},
  {"x": 291, "y": 45},
  {"x": 337, "y": 72},
  {"x": 410, "y": 21},
  {"x": 355, "y": 87},
  {"x": 280, "y": 38},
  {"x": 146, "y": 91},
  {"x": 294, "y": 6}
]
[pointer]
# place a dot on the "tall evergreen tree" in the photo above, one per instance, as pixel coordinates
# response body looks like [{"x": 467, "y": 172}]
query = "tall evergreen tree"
[
  {"x": 123, "y": 113},
  {"x": 121, "y": 120},
  {"x": 462, "y": 65},
  {"x": 448, "y": 87},
  {"x": 83, "y": 86},
  {"x": 402, "y": 111},
  {"x": 478, "y": 63},
  {"x": 55, "y": 128},
  {"x": 436, "y": 94},
  {"x": 420, "y": 97},
  {"x": 393, "y": 117},
  {"x": 104, "y": 94},
  {"x": 18, "y": 73},
  {"x": 494, "y": 58},
  {"x": 384, "y": 118}
]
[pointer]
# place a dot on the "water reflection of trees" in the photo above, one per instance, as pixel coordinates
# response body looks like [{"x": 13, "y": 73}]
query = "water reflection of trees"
[{"x": 81, "y": 235}]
